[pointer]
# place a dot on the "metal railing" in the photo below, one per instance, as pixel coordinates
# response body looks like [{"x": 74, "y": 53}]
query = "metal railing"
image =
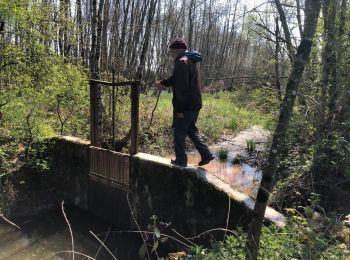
[{"x": 109, "y": 165}]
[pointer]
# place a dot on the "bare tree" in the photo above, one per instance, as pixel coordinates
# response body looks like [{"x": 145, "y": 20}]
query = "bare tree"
[
  {"x": 286, "y": 31},
  {"x": 278, "y": 139}
]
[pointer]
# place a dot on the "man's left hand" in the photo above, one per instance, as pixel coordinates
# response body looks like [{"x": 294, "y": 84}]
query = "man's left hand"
[{"x": 159, "y": 85}]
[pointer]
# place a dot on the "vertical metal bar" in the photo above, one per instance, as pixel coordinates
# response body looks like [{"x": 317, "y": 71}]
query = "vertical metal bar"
[
  {"x": 108, "y": 164},
  {"x": 113, "y": 110},
  {"x": 117, "y": 171},
  {"x": 135, "y": 98},
  {"x": 122, "y": 172},
  {"x": 90, "y": 160},
  {"x": 93, "y": 159},
  {"x": 126, "y": 169},
  {"x": 104, "y": 163},
  {"x": 115, "y": 166},
  {"x": 92, "y": 114}
]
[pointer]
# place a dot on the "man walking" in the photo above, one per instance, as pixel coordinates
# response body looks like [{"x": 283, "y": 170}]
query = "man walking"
[{"x": 187, "y": 101}]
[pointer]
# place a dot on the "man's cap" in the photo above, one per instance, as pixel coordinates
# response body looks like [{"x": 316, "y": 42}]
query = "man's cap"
[{"x": 179, "y": 43}]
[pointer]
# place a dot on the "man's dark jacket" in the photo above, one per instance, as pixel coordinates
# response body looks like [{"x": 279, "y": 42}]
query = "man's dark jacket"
[{"x": 185, "y": 83}]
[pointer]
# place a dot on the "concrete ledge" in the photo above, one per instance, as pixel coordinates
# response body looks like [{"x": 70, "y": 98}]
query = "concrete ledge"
[
  {"x": 270, "y": 214},
  {"x": 72, "y": 139}
]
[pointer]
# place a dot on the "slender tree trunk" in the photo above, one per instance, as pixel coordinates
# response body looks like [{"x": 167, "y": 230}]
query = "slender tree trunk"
[
  {"x": 325, "y": 111},
  {"x": 113, "y": 47},
  {"x": 104, "y": 37},
  {"x": 80, "y": 40},
  {"x": 121, "y": 46},
  {"x": 331, "y": 58},
  {"x": 190, "y": 24},
  {"x": 300, "y": 25},
  {"x": 93, "y": 71},
  {"x": 277, "y": 69},
  {"x": 130, "y": 36},
  {"x": 286, "y": 31},
  {"x": 278, "y": 140},
  {"x": 95, "y": 90},
  {"x": 238, "y": 48},
  {"x": 138, "y": 34},
  {"x": 147, "y": 37},
  {"x": 344, "y": 115}
]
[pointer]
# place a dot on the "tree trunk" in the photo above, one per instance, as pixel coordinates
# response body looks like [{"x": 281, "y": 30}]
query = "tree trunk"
[
  {"x": 80, "y": 33},
  {"x": 147, "y": 37},
  {"x": 286, "y": 31},
  {"x": 104, "y": 49},
  {"x": 190, "y": 24},
  {"x": 113, "y": 47},
  {"x": 121, "y": 46},
  {"x": 344, "y": 115},
  {"x": 138, "y": 34},
  {"x": 300, "y": 26},
  {"x": 95, "y": 90},
  {"x": 277, "y": 69},
  {"x": 326, "y": 110},
  {"x": 269, "y": 171}
]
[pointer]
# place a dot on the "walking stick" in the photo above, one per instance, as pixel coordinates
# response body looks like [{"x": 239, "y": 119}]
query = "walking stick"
[{"x": 155, "y": 107}]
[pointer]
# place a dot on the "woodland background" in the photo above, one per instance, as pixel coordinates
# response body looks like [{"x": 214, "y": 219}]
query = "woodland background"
[{"x": 50, "y": 48}]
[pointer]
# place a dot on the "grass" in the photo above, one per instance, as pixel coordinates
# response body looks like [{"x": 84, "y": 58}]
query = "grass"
[
  {"x": 223, "y": 113},
  {"x": 222, "y": 154}
]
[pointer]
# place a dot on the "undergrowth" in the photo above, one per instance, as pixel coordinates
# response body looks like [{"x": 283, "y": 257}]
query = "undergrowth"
[{"x": 310, "y": 235}]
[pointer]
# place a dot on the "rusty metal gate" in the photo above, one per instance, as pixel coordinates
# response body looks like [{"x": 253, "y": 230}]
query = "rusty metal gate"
[
  {"x": 110, "y": 166},
  {"x": 109, "y": 170}
]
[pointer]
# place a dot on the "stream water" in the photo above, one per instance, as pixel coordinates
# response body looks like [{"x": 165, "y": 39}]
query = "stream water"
[
  {"x": 47, "y": 236},
  {"x": 242, "y": 177}
]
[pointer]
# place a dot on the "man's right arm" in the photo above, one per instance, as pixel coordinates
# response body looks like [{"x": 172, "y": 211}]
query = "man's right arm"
[{"x": 168, "y": 82}]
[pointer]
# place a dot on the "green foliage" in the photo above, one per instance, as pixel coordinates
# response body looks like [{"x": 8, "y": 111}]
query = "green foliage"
[
  {"x": 293, "y": 180},
  {"x": 41, "y": 94},
  {"x": 310, "y": 237},
  {"x": 251, "y": 146},
  {"x": 38, "y": 159},
  {"x": 222, "y": 154}
]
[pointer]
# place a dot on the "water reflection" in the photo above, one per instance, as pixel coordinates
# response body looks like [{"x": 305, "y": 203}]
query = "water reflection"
[
  {"x": 43, "y": 236},
  {"x": 242, "y": 177}
]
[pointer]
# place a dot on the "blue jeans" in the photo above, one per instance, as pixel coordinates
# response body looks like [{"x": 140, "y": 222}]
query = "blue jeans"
[{"x": 187, "y": 126}]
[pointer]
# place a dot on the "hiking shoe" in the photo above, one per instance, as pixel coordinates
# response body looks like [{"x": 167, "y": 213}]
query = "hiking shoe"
[
  {"x": 174, "y": 162},
  {"x": 206, "y": 160}
]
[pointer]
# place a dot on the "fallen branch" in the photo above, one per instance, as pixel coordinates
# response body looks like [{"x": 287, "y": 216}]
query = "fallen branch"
[
  {"x": 99, "y": 240},
  {"x": 104, "y": 240},
  {"x": 70, "y": 229},
  {"x": 9, "y": 222}
]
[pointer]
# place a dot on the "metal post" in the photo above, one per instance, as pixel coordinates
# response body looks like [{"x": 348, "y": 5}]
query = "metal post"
[
  {"x": 113, "y": 110},
  {"x": 93, "y": 114},
  {"x": 135, "y": 98}
]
